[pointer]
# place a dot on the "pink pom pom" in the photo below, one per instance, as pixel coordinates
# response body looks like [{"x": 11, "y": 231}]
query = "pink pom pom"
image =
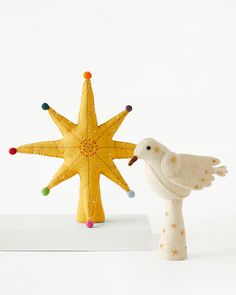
[
  {"x": 12, "y": 151},
  {"x": 89, "y": 223}
]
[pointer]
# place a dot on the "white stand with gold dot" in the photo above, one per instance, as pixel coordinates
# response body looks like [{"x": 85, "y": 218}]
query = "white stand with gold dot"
[{"x": 172, "y": 244}]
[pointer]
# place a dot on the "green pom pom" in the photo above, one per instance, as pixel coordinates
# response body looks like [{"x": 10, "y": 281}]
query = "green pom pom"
[
  {"x": 45, "y": 106},
  {"x": 45, "y": 191}
]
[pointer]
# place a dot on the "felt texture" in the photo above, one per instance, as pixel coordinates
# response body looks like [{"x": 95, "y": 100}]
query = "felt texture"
[
  {"x": 88, "y": 150},
  {"x": 173, "y": 176},
  {"x": 172, "y": 244},
  {"x": 190, "y": 171}
]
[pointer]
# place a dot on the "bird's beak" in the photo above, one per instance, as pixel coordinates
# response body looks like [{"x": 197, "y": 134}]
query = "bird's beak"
[{"x": 134, "y": 159}]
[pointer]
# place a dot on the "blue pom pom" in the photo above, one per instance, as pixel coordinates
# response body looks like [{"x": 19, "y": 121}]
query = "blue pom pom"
[
  {"x": 131, "y": 194},
  {"x": 45, "y": 106}
]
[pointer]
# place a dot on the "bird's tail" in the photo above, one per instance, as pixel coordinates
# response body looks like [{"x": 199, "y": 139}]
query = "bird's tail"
[{"x": 221, "y": 171}]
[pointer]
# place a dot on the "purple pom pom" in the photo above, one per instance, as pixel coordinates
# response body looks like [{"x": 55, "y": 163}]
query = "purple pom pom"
[{"x": 128, "y": 108}]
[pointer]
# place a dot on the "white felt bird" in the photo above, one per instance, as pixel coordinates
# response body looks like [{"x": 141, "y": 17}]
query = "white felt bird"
[{"x": 172, "y": 175}]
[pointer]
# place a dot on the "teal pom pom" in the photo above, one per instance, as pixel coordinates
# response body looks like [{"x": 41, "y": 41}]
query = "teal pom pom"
[
  {"x": 45, "y": 106},
  {"x": 45, "y": 191},
  {"x": 131, "y": 194}
]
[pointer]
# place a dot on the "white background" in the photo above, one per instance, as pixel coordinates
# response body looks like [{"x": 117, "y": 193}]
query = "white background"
[{"x": 175, "y": 63}]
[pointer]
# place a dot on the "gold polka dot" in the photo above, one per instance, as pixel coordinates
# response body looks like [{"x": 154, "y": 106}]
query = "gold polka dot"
[
  {"x": 161, "y": 246},
  {"x": 173, "y": 226},
  {"x": 173, "y": 160},
  {"x": 202, "y": 179},
  {"x": 156, "y": 149},
  {"x": 214, "y": 161},
  {"x": 206, "y": 171},
  {"x": 196, "y": 186},
  {"x": 174, "y": 252},
  {"x": 182, "y": 233}
]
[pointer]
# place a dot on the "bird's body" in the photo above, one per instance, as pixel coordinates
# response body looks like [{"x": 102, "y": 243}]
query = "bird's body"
[{"x": 173, "y": 176}]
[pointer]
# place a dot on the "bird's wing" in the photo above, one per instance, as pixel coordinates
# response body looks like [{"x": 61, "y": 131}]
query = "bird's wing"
[{"x": 189, "y": 171}]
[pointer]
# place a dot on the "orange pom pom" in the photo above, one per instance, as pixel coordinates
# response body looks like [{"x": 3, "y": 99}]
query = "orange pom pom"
[{"x": 87, "y": 75}]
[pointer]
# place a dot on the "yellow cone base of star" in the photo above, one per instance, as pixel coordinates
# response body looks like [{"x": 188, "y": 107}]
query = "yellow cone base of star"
[
  {"x": 88, "y": 150},
  {"x": 84, "y": 207}
]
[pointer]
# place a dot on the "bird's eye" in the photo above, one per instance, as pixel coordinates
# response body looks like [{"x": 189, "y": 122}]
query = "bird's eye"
[{"x": 148, "y": 147}]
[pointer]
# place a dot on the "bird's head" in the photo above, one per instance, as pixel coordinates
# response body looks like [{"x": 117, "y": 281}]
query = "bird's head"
[{"x": 149, "y": 150}]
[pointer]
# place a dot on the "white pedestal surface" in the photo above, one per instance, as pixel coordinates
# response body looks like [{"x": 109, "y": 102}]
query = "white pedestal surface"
[{"x": 63, "y": 233}]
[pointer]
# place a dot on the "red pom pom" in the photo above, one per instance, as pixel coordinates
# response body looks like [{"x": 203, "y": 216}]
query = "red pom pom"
[
  {"x": 12, "y": 151},
  {"x": 89, "y": 223}
]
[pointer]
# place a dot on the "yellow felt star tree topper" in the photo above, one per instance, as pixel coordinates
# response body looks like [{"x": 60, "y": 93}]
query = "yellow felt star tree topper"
[{"x": 88, "y": 150}]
